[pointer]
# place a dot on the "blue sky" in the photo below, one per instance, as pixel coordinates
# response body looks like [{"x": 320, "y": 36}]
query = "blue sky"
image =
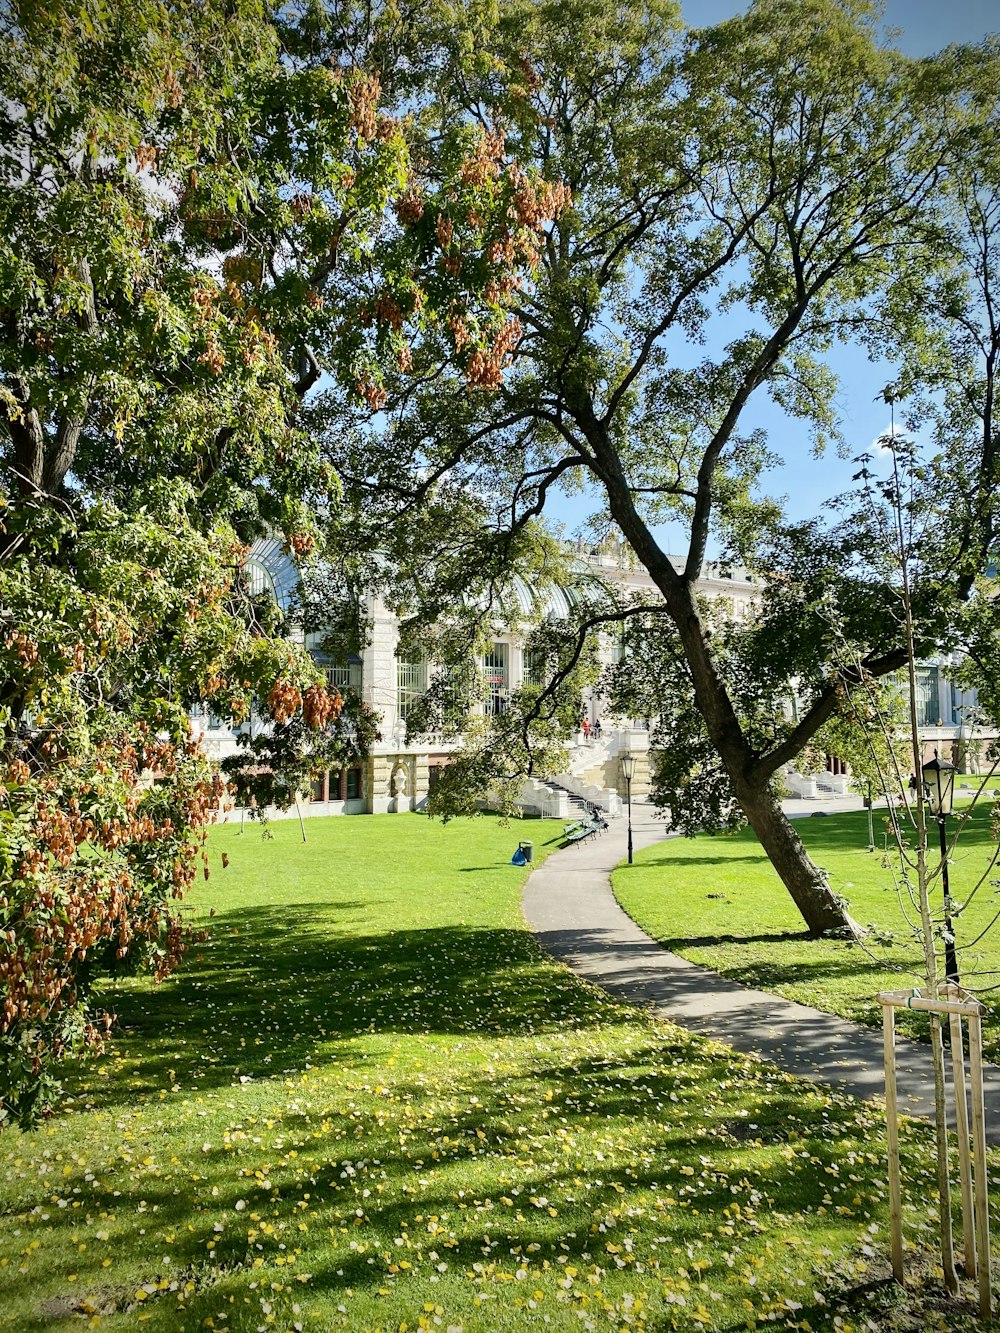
[{"x": 925, "y": 26}]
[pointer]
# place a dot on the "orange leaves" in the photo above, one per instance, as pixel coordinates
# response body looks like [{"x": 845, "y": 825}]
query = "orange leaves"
[
  {"x": 321, "y": 706},
  {"x": 409, "y": 208},
  {"x": 445, "y": 231},
  {"x": 364, "y": 93},
  {"x": 96, "y": 850},
  {"x": 301, "y": 544},
  {"x": 536, "y": 202},
  {"x": 214, "y": 357},
  {"x": 458, "y": 329},
  {"x": 486, "y": 366},
  {"x": 483, "y": 164},
  {"x": 373, "y": 394},
  {"x": 212, "y": 685},
  {"x": 283, "y": 701},
  {"x": 173, "y": 90},
  {"x": 387, "y": 310},
  {"x": 25, "y": 648}
]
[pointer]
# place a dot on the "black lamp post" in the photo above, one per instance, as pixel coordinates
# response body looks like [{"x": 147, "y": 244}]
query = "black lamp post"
[
  {"x": 627, "y": 762},
  {"x": 871, "y": 818},
  {"x": 939, "y": 783}
]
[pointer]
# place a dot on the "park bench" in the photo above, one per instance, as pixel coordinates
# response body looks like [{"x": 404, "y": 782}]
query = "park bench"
[{"x": 584, "y": 831}]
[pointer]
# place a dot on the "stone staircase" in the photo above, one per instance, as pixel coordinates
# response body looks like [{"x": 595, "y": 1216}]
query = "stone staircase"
[
  {"x": 591, "y": 780},
  {"x": 579, "y": 806},
  {"x": 817, "y": 786},
  {"x": 552, "y": 800},
  {"x": 586, "y": 776}
]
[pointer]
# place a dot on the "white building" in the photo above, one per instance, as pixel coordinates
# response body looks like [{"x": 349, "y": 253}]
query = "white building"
[{"x": 399, "y": 774}]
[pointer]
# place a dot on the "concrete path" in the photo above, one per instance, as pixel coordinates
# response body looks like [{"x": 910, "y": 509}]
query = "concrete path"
[{"x": 569, "y": 905}]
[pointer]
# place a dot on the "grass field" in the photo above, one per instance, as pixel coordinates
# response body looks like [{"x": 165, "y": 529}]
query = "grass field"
[
  {"x": 369, "y": 1102},
  {"x": 717, "y": 901}
]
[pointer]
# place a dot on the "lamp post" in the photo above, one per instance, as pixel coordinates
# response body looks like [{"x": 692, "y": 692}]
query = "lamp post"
[
  {"x": 871, "y": 818},
  {"x": 627, "y": 763},
  {"x": 939, "y": 783}
]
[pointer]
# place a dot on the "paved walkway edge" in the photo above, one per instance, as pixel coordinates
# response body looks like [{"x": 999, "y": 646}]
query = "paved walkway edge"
[{"x": 569, "y": 904}]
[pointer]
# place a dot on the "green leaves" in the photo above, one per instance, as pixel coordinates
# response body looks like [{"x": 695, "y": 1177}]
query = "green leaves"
[{"x": 206, "y": 212}]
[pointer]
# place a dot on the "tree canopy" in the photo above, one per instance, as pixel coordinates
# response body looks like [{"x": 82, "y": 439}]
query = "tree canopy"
[
  {"x": 206, "y": 212},
  {"x": 383, "y": 281},
  {"x": 787, "y": 176}
]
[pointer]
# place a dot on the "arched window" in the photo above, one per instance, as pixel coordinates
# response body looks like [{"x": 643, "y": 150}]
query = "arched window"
[{"x": 260, "y": 580}]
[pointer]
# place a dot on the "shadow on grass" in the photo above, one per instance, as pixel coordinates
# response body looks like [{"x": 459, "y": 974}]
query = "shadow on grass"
[
  {"x": 695, "y": 859},
  {"x": 764, "y": 937},
  {"x": 271, "y": 994},
  {"x": 458, "y": 1164}
]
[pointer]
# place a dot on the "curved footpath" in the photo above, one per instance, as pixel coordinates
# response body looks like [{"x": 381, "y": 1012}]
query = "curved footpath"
[{"x": 569, "y": 905}]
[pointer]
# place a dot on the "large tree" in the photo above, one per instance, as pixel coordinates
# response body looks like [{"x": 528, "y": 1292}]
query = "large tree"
[
  {"x": 767, "y": 177},
  {"x": 204, "y": 212}
]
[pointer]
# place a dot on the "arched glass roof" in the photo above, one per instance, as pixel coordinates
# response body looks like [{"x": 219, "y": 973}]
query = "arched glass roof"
[{"x": 272, "y": 570}]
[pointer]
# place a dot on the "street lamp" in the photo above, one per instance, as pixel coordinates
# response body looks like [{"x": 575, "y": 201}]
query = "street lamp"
[
  {"x": 627, "y": 763},
  {"x": 871, "y": 818},
  {"x": 939, "y": 784}
]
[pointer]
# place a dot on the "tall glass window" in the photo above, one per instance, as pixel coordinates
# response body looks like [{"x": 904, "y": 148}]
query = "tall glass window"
[
  {"x": 535, "y": 670},
  {"x": 341, "y": 672},
  {"x": 495, "y": 668},
  {"x": 411, "y": 683},
  {"x": 928, "y": 696},
  {"x": 345, "y": 677}
]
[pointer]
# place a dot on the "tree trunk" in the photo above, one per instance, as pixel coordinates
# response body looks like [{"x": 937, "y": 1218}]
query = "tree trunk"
[{"x": 821, "y": 910}]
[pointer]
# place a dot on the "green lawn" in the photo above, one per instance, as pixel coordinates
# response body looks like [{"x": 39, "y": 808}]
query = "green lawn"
[
  {"x": 369, "y": 1102},
  {"x": 717, "y": 901}
]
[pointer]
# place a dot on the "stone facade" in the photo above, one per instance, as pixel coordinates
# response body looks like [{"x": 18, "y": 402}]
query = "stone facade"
[{"x": 398, "y": 775}]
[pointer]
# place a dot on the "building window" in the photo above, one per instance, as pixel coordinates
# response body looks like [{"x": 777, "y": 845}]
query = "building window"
[
  {"x": 535, "y": 671},
  {"x": 341, "y": 672},
  {"x": 209, "y": 718},
  {"x": 344, "y": 677},
  {"x": 928, "y": 696},
  {"x": 319, "y": 788},
  {"x": 260, "y": 580},
  {"x": 495, "y": 669},
  {"x": 352, "y": 787},
  {"x": 411, "y": 685}
]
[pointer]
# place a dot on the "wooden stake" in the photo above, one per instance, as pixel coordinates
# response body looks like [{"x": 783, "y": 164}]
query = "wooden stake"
[
  {"x": 979, "y": 1153},
  {"x": 962, "y": 1130},
  {"x": 892, "y": 1126},
  {"x": 917, "y": 1000}
]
